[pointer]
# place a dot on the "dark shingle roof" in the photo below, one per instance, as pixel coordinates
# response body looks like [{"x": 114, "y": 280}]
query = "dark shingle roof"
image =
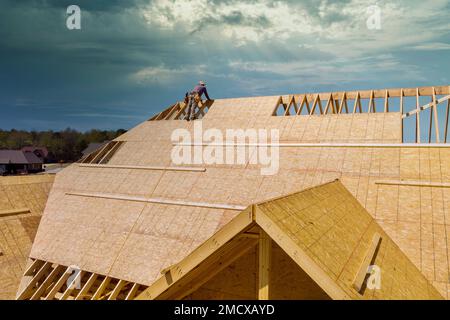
[{"x": 18, "y": 157}]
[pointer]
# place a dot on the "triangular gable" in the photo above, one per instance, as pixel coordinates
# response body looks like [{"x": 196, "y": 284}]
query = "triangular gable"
[{"x": 324, "y": 230}]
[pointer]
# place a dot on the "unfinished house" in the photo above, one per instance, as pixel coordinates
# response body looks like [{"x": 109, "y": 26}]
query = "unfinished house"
[
  {"x": 358, "y": 208},
  {"x": 22, "y": 202}
]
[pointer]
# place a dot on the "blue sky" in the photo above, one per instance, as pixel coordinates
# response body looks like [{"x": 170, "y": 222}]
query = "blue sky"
[{"x": 132, "y": 58}]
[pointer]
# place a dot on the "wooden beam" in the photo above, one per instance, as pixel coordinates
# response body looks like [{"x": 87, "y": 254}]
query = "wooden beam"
[
  {"x": 401, "y": 101},
  {"x": 386, "y": 102},
  {"x": 357, "y": 103},
  {"x": 425, "y": 107},
  {"x": 343, "y": 103},
  {"x": 30, "y": 271},
  {"x": 414, "y": 183},
  {"x": 330, "y": 103},
  {"x": 304, "y": 103},
  {"x": 117, "y": 289},
  {"x": 279, "y": 103},
  {"x": 264, "y": 266},
  {"x": 132, "y": 293},
  {"x": 362, "y": 271},
  {"x": 157, "y": 200},
  {"x": 180, "y": 112},
  {"x": 100, "y": 152},
  {"x": 162, "y": 168},
  {"x": 430, "y": 125},
  {"x": 316, "y": 102},
  {"x": 339, "y": 145},
  {"x": 418, "y": 117},
  {"x": 372, "y": 103},
  {"x": 28, "y": 291},
  {"x": 435, "y": 113},
  {"x": 111, "y": 152},
  {"x": 446, "y": 121},
  {"x": 87, "y": 286},
  {"x": 58, "y": 285},
  {"x": 47, "y": 282},
  {"x": 14, "y": 212},
  {"x": 393, "y": 92},
  {"x": 101, "y": 288}
]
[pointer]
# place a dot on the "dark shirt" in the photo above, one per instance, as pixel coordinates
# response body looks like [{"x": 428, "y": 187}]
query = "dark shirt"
[{"x": 201, "y": 90}]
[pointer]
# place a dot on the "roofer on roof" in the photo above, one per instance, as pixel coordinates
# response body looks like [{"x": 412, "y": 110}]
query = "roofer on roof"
[{"x": 194, "y": 98}]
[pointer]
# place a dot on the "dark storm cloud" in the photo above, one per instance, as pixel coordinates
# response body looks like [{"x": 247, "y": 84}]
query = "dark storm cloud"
[{"x": 122, "y": 66}]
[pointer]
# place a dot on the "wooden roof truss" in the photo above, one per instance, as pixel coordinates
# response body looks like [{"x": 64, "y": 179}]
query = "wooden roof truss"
[
  {"x": 51, "y": 281},
  {"x": 404, "y": 101}
]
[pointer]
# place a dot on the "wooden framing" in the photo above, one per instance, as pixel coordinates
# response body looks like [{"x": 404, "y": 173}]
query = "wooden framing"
[
  {"x": 315, "y": 103},
  {"x": 304, "y": 102},
  {"x": 107, "y": 166},
  {"x": 33, "y": 267},
  {"x": 335, "y": 107},
  {"x": 102, "y": 155},
  {"x": 372, "y": 107},
  {"x": 157, "y": 200},
  {"x": 230, "y": 231},
  {"x": 413, "y": 183},
  {"x": 343, "y": 103},
  {"x": 119, "y": 286},
  {"x": 357, "y": 103},
  {"x": 28, "y": 291},
  {"x": 14, "y": 212},
  {"x": 447, "y": 111},
  {"x": 133, "y": 291},
  {"x": 87, "y": 286},
  {"x": 59, "y": 284},
  {"x": 264, "y": 256},
  {"x": 417, "y": 117},
  {"x": 47, "y": 282},
  {"x": 50, "y": 281},
  {"x": 362, "y": 272},
  {"x": 101, "y": 289},
  {"x": 71, "y": 286}
]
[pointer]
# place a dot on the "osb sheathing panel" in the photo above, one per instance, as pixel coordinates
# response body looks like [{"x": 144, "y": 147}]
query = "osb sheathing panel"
[
  {"x": 18, "y": 231},
  {"x": 333, "y": 229},
  {"x": 149, "y": 144}
]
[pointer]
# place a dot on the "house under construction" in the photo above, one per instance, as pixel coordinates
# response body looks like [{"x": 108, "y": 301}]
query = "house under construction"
[{"x": 363, "y": 182}]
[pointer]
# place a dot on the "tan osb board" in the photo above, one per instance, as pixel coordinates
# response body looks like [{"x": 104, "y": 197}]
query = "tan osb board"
[
  {"x": 18, "y": 231},
  {"x": 147, "y": 238},
  {"x": 334, "y": 230},
  {"x": 320, "y": 239}
]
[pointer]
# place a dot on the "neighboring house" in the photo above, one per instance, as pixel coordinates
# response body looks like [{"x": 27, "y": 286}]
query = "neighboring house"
[
  {"x": 40, "y": 152},
  {"x": 93, "y": 146},
  {"x": 17, "y": 161}
]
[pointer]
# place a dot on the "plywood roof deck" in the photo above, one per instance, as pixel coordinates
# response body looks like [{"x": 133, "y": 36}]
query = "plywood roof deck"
[
  {"x": 134, "y": 241},
  {"x": 22, "y": 202},
  {"x": 324, "y": 230}
]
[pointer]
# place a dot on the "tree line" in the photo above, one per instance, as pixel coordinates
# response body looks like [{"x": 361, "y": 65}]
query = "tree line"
[{"x": 63, "y": 145}]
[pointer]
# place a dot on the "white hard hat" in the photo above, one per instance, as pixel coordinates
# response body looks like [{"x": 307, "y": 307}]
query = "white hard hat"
[{"x": 202, "y": 83}]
